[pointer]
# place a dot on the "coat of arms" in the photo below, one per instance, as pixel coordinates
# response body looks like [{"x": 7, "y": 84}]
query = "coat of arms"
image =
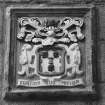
[{"x": 50, "y": 54}]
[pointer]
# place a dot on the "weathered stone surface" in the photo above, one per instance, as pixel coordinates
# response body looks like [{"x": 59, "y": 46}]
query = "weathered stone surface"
[
  {"x": 15, "y": 0},
  {"x": 99, "y": 101},
  {"x": 54, "y": 1},
  {"x": 1, "y": 69},
  {"x": 99, "y": 0},
  {"x": 101, "y": 90},
  {"x": 1, "y": 50},
  {"x": 101, "y": 61},
  {"x": 49, "y": 103},
  {"x": 1, "y": 22},
  {"x": 100, "y": 94},
  {"x": 100, "y": 13}
]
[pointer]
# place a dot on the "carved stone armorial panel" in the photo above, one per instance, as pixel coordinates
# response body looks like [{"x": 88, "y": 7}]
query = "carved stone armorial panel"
[
  {"x": 49, "y": 49},
  {"x": 51, "y": 53}
]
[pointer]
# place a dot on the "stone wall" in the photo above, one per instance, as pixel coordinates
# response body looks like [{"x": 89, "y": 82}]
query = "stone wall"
[{"x": 100, "y": 34}]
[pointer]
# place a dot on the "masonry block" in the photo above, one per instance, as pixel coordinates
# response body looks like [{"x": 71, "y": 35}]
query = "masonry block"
[
  {"x": 51, "y": 1},
  {"x": 48, "y": 103},
  {"x": 101, "y": 61},
  {"x": 15, "y": 0},
  {"x": 1, "y": 22},
  {"x": 100, "y": 22}
]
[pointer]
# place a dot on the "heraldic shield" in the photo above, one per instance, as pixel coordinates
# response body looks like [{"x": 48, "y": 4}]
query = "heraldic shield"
[{"x": 51, "y": 61}]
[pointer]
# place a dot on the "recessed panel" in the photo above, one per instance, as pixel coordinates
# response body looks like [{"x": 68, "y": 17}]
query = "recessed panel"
[{"x": 50, "y": 49}]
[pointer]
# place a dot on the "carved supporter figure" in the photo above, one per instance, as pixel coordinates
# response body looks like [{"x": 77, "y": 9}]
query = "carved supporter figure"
[
  {"x": 72, "y": 29},
  {"x": 24, "y": 60},
  {"x": 75, "y": 60}
]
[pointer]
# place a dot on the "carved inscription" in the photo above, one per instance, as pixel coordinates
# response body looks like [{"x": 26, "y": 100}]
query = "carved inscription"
[{"x": 50, "y": 54}]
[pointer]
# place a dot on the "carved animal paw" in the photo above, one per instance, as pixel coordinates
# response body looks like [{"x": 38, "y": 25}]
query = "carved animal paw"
[
  {"x": 30, "y": 75},
  {"x": 70, "y": 73},
  {"x": 21, "y": 72},
  {"x": 79, "y": 72}
]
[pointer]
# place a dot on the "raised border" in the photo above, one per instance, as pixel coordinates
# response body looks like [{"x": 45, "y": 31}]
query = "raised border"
[{"x": 88, "y": 11}]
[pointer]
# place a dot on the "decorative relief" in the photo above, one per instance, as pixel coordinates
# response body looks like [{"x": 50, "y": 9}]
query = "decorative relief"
[{"x": 50, "y": 54}]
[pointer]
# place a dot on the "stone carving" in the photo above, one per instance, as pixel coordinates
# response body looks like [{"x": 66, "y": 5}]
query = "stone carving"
[{"x": 51, "y": 50}]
